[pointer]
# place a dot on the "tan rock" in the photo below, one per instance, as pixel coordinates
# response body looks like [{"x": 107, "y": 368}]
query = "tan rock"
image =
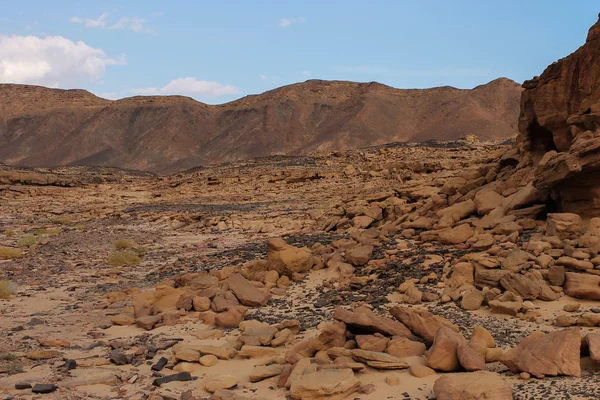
[
  {"x": 472, "y": 300},
  {"x": 231, "y": 318},
  {"x": 472, "y": 386},
  {"x": 366, "y": 320},
  {"x": 148, "y": 321},
  {"x": 331, "y": 384},
  {"x": 469, "y": 358},
  {"x": 422, "y": 323},
  {"x": 122, "y": 319},
  {"x": 403, "y": 347},
  {"x": 456, "y": 235},
  {"x": 214, "y": 383},
  {"x": 592, "y": 340},
  {"x": 287, "y": 259},
  {"x": 246, "y": 293},
  {"x": 563, "y": 225},
  {"x": 582, "y": 286},
  {"x": 375, "y": 342},
  {"x": 359, "y": 255},
  {"x": 556, "y": 353},
  {"x": 262, "y": 372},
  {"x": 420, "y": 370},
  {"x": 208, "y": 360},
  {"x": 201, "y": 303},
  {"x": 442, "y": 356}
]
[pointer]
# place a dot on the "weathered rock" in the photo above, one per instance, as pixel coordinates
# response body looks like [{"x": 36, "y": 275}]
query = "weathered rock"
[
  {"x": 287, "y": 259},
  {"x": 556, "y": 353},
  {"x": 247, "y": 293},
  {"x": 260, "y": 373},
  {"x": 442, "y": 356},
  {"x": 592, "y": 340},
  {"x": 214, "y": 383},
  {"x": 148, "y": 321},
  {"x": 179, "y": 377},
  {"x": 422, "y": 323},
  {"x": 257, "y": 333},
  {"x": 486, "y": 200},
  {"x": 563, "y": 225},
  {"x": 372, "y": 342},
  {"x": 403, "y": 347},
  {"x": 472, "y": 300},
  {"x": 582, "y": 286},
  {"x": 359, "y": 255},
  {"x": 366, "y": 320},
  {"x": 469, "y": 358},
  {"x": 456, "y": 235},
  {"x": 472, "y": 386},
  {"x": 231, "y": 318},
  {"x": 334, "y": 384}
]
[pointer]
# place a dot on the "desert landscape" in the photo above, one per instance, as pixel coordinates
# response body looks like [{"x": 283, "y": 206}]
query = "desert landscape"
[{"x": 376, "y": 250}]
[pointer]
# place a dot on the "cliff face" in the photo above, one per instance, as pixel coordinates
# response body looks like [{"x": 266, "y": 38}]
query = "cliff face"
[
  {"x": 50, "y": 127},
  {"x": 559, "y": 128}
]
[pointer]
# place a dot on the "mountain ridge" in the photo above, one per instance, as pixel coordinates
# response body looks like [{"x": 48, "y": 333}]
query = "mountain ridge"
[{"x": 51, "y": 127}]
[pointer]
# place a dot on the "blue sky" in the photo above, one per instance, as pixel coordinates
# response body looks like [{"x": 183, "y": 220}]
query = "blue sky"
[{"x": 219, "y": 51}]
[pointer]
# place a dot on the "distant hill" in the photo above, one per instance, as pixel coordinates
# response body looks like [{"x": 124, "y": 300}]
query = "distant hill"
[{"x": 51, "y": 127}]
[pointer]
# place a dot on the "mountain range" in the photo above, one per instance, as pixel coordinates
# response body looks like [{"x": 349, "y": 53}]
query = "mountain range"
[{"x": 50, "y": 127}]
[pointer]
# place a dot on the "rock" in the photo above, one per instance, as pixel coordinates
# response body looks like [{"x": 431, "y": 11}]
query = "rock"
[
  {"x": 472, "y": 386},
  {"x": 22, "y": 385},
  {"x": 160, "y": 364},
  {"x": 521, "y": 285},
  {"x": 255, "y": 333},
  {"x": 486, "y": 200},
  {"x": 592, "y": 340},
  {"x": 118, "y": 357},
  {"x": 574, "y": 263},
  {"x": 247, "y": 293},
  {"x": 187, "y": 354},
  {"x": 420, "y": 370},
  {"x": 359, "y": 255},
  {"x": 372, "y": 342},
  {"x": 442, "y": 355},
  {"x": 231, "y": 318},
  {"x": 563, "y": 225},
  {"x": 258, "y": 352},
  {"x": 179, "y": 377},
  {"x": 507, "y": 303},
  {"x": 367, "y": 356},
  {"x": 208, "y": 360},
  {"x": 472, "y": 300},
  {"x": 582, "y": 286},
  {"x": 201, "y": 303},
  {"x": 332, "y": 334},
  {"x": 456, "y": 212},
  {"x": 42, "y": 354},
  {"x": 366, "y": 320},
  {"x": 516, "y": 260},
  {"x": 412, "y": 295},
  {"x": 456, "y": 235},
  {"x": 331, "y": 384},
  {"x": 147, "y": 322},
  {"x": 287, "y": 259},
  {"x": 556, "y": 275},
  {"x": 122, "y": 319},
  {"x": 214, "y": 383},
  {"x": 43, "y": 388},
  {"x": 422, "y": 323},
  {"x": 402, "y": 347},
  {"x": 556, "y": 353},
  {"x": 260, "y": 373},
  {"x": 469, "y": 358}
]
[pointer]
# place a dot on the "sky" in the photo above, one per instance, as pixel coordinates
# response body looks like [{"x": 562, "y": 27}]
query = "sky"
[{"x": 218, "y": 51}]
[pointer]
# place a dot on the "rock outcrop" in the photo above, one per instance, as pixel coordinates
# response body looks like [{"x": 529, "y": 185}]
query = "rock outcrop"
[{"x": 559, "y": 128}]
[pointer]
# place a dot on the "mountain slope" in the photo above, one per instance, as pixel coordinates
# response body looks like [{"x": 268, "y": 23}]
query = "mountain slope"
[{"x": 47, "y": 127}]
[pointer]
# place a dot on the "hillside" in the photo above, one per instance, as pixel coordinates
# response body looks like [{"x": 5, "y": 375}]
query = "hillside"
[{"x": 48, "y": 127}]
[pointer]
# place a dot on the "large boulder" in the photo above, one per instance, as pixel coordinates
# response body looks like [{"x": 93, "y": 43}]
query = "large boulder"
[
  {"x": 443, "y": 354},
  {"x": 582, "y": 286},
  {"x": 563, "y": 225},
  {"x": 486, "y": 200},
  {"x": 247, "y": 294},
  {"x": 367, "y": 321},
  {"x": 472, "y": 386},
  {"x": 552, "y": 354},
  {"x": 421, "y": 322},
  {"x": 330, "y": 384},
  {"x": 458, "y": 234},
  {"x": 287, "y": 259}
]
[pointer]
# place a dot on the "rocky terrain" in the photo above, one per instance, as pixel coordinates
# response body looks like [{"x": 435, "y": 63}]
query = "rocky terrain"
[
  {"x": 452, "y": 270},
  {"x": 51, "y": 127}
]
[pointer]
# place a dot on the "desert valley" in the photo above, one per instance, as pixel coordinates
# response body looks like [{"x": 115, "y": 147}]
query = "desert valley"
[{"x": 323, "y": 240}]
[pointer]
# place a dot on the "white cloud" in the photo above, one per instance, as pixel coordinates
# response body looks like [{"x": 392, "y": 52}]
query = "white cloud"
[
  {"x": 306, "y": 72},
  {"x": 135, "y": 24},
  {"x": 52, "y": 61},
  {"x": 190, "y": 86},
  {"x": 263, "y": 77},
  {"x": 287, "y": 22},
  {"x": 109, "y": 95}
]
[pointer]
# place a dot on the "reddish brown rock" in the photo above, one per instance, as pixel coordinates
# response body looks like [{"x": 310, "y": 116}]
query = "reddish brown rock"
[
  {"x": 366, "y": 320},
  {"x": 422, "y": 323},
  {"x": 556, "y": 353},
  {"x": 472, "y": 386},
  {"x": 247, "y": 293}
]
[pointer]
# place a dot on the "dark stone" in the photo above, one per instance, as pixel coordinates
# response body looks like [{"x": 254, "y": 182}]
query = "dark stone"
[
  {"x": 71, "y": 364},
  {"x": 118, "y": 357},
  {"x": 23, "y": 385},
  {"x": 43, "y": 388},
  {"x": 160, "y": 364},
  {"x": 180, "y": 377}
]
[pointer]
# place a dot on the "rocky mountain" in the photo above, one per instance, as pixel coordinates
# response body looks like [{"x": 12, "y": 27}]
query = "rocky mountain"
[
  {"x": 49, "y": 127},
  {"x": 560, "y": 128}
]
